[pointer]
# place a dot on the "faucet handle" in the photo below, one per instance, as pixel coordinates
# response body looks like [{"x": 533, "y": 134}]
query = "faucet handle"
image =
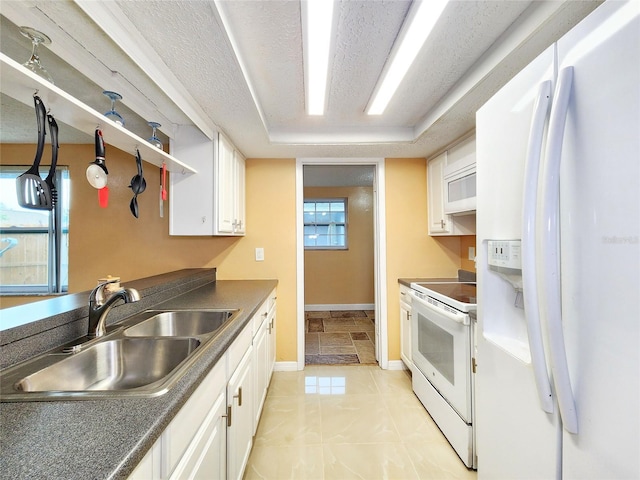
[{"x": 97, "y": 294}]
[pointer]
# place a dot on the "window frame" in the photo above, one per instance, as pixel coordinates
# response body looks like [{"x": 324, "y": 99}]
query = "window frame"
[
  {"x": 61, "y": 211},
  {"x": 315, "y": 200}
]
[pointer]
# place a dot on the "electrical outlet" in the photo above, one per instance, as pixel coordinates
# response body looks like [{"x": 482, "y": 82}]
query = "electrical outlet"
[{"x": 259, "y": 254}]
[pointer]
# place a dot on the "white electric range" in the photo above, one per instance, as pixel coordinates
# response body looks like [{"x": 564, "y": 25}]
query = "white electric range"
[{"x": 442, "y": 337}]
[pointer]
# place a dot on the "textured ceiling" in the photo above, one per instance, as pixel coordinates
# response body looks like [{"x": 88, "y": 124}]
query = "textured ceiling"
[{"x": 240, "y": 63}]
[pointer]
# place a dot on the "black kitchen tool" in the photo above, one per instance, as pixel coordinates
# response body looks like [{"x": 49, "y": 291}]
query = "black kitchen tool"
[
  {"x": 138, "y": 185},
  {"x": 97, "y": 170},
  {"x": 32, "y": 191},
  {"x": 57, "y": 222},
  {"x": 53, "y": 129}
]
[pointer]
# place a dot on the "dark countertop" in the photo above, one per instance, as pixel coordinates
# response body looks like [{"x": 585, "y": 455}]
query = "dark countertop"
[
  {"x": 107, "y": 438},
  {"x": 408, "y": 281},
  {"x": 463, "y": 275}
]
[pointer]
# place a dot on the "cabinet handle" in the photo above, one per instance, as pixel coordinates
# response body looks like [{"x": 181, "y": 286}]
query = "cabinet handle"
[
  {"x": 270, "y": 326},
  {"x": 228, "y": 415},
  {"x": 442, "y": 223},
  {"x": 239, "y": 396}
]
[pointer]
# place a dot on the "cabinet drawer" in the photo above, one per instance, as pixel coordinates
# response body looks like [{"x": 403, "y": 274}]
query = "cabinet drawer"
[
  {"x": 260, "y": 316},
  {"x": 238, "y": 348}
]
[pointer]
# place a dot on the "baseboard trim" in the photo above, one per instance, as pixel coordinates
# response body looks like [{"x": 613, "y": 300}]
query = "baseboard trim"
[
  {"x": 285, "y": 367},
  {"x": 396, "y": 365},
  {"x": 324, "y": 307}
]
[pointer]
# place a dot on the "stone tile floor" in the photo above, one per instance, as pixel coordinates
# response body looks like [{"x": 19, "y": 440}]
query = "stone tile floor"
[
  {"x": 344, "y": 422},
  {"x": 340, "y": 337}
]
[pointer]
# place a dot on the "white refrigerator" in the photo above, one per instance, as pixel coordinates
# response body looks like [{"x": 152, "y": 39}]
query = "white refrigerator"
[{"x": 558, "y": 340}]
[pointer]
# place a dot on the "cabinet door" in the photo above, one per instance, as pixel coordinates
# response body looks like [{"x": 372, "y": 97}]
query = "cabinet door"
[
  {"x": 224, "y": 187},
  {"x": 240, "y": 426},
  {"x": 206, "y": 457},
  {"x": 190, "y": 201},
  {"x": 405, "y": 328},
  {"x": 186, "y": 436},
  {"x": 271, "y": 341},
  {"x": 438, "y": 221},
  {"x": 260, "y": 366},
  {"x": 149, "y": 467},
  {"x": 239, "y": 227}
]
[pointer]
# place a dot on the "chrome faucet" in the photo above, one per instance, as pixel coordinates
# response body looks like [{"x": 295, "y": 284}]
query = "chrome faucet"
[{"x": 99, "y": 308}]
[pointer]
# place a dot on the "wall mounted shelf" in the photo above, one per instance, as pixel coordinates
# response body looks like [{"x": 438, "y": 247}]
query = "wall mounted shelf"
[{"x": 20, "y": 83}]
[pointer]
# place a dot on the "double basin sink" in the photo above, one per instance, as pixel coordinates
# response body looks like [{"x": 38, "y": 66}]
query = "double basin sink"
[{"x": 143, "y": 356}]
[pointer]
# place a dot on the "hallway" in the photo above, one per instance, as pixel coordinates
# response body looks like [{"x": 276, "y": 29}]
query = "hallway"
[
  {"x": 340, "y": 337},
  {"x": 348, "y": 422}
]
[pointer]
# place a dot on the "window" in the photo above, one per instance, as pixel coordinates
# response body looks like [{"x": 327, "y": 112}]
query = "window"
[
  {"x": 30, "y": 263},
  {"x": 325, "y": 224}
]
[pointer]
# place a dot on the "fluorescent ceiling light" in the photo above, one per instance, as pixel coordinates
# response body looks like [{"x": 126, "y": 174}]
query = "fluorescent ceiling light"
[
  {"x": 421, "y": 19},
  {"x": 318, "y": 24}
]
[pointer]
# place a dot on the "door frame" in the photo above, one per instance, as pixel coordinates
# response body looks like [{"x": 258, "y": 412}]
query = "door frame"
[{"x": 380, "y": 252}]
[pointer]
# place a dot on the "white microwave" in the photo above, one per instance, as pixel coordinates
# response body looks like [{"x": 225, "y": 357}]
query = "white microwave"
[{"x": 460, "y": 187}]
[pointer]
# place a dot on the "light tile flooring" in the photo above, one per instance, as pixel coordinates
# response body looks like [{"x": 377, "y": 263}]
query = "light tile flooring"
[
  {"x": 349, "y": 422},
  {"x": 340, "y": 337}
]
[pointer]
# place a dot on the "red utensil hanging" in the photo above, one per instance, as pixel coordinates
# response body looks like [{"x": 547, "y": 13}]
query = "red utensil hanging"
[{"x": 103, "y": 197}]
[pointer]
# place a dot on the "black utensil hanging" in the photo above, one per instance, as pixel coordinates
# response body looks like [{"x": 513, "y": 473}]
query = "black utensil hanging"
[
  {"x": 97, "y": 170},
  {"x": 57, "y": 222},
  {"x": 138, "y": 185},
  {"x": 32, "y": 191}
]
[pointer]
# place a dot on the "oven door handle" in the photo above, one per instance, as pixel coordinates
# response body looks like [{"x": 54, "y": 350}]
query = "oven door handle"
[{"x": 459, "y": 318}]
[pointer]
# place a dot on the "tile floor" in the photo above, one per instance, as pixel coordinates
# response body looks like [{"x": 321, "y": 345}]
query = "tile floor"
[
  {"x": 349, "y": 422},
  {"x": 340, "y": 337}
]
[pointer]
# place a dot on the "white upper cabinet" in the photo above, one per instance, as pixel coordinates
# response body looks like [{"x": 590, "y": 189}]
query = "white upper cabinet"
[
  {"x": 211, "y": 202},
  {"x": 440, "y": 223},
  {"x": 229, "y": 189}
]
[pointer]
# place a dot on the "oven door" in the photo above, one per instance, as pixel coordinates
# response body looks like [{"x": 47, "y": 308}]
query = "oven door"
[{"x": 441, "y": 350}]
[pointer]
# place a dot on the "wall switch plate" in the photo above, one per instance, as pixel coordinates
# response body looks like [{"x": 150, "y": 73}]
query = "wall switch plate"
[
  {"x": 472, "y": 253},
  {"x": 259, "y": 254}
]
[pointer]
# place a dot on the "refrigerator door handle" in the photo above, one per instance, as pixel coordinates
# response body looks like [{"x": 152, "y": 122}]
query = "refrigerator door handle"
[
  {"x": 529, "y": 253},
  {"x": 552, "y": 302}
]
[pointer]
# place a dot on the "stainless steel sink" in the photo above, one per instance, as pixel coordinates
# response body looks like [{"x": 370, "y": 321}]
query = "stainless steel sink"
[
  {"x": 145, "y": 355},
  {"x": 181, "y": 323},
  {"x": 121, "y": 364}
]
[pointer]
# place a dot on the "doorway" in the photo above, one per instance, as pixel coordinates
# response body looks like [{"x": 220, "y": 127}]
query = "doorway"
[{"x": 341, "y": 297}]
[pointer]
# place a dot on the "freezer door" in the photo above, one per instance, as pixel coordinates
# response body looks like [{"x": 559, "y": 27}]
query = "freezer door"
[
  {"x": 515, "y": 437},
  {"x": 600, "y": 247}
]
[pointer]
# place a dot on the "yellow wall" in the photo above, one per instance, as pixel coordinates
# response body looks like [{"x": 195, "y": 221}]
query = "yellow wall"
[
  {"x": 112, "y": 241},
  {"x": 271, "y": 220},
  {"x": 411, "y": 252},
  {"x": 343, "y": 276},
  {"x": 466, "y": 242}
]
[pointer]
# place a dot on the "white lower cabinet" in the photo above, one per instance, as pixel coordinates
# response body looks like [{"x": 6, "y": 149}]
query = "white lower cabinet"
[
  {"x": 271, "y": 338},
  {"x": 212, "y": 434},
  {"x": 405, "y": 327},
  {"x": 240, "y": 423},
  {"x": 260, "y": 364},
  {"x": 264, "y": 354}
]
